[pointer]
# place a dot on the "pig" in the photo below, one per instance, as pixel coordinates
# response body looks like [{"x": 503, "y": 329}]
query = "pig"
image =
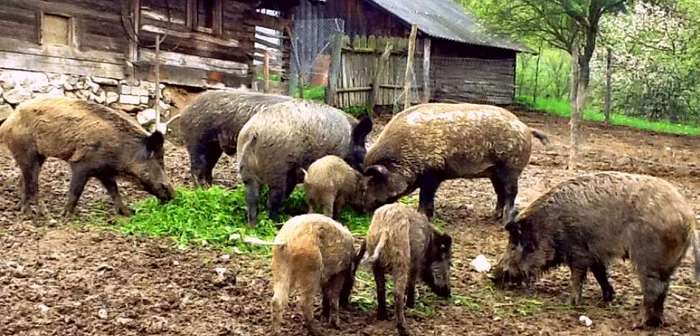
[
  {"x": 400, "y": 240},
  {"x": 277, "y": 143},
  {"x": 427, "y": 144},
  {"x": 331, "y": 182},
  {"x": 211, "y": 123},
  {"x": 588, "y": 221},
  {"x": 95, "y": 140},
  {"x": 313, "y": 253}
]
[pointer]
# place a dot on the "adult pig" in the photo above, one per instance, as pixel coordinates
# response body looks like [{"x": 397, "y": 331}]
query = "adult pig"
[
  {"x": 211, "y": 123},
  {"x": 95, "y": 140},
  {"x": 427, "y": 144},
  {"x": 276, "y": 144},
  {"x": 589, "y": 221}
]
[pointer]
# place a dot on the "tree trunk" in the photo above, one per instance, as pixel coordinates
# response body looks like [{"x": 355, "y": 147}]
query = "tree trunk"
[
  {"x": 537, "y": 74},
  {"x": 576, "y": 113},
  {"x": 608, "y": 86}
]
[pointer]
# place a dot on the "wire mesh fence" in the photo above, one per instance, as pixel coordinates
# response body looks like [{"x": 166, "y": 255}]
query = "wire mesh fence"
[{"x": 310, "y": 54}]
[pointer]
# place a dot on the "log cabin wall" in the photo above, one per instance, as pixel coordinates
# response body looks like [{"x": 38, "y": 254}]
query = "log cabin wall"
[{"x": 361, "y": 17}]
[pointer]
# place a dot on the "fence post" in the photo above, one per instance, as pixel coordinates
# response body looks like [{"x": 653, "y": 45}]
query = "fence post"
[
  {"x": 266, "y": 72},
  {"x": 608, "y": 86},
  {"x": 376, "y": 85},
  {"x": 426, "y": 70},
  {"x": 336, "y": 53},
  {"x": 409, "y": 66},
  {"x": 537, "y": 74},
  {"x": 576, "y": 114}
]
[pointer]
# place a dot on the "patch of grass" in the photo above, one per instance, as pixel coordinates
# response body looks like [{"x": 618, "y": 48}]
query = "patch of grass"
[
  {"x": 563, "y": 109},
  {"x": 273, "y": 77},
  {"x": 317, "y": 93},
  {"x": 356, "y": 111}
]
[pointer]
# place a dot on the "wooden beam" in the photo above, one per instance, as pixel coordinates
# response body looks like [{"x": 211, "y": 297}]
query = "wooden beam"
[
  {"x": 266, "y": 72},
  {"x": 30, "y": 62},
  {"x": 194, "y": 62},
  {"x": 336, "y": 58},
  {"x": 426, "y": 70},
  {"x": 217, "y": 24},
  {"x": 226, "y": 42},
  {"x": 135, "y": 13},
  {"x": 409, "y": 66},
  {"x": 62, "y": 9},
  {"x": 376, "y": 85},
  {"x": 191, "y": 14},
  {"x": 190, "y": 77},
  {"x": 16, "y": 46}
]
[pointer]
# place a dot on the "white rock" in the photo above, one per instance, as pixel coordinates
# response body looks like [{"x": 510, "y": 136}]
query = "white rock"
[
  {"x": 72, "y": 80},
  {"x": 162, "y": 128},
  {"x": 101, "y": 97},
  {"x": 668, "y": 148},
  {"x": 124, "y": 320},
  {"x": 94, "y": 87},
  {"x": 138, "y": 91},
  {"x": 68, "y": 86},
  {"x": 144, "y": 99},
  {"x": 146, "y": 116},
  {"x": 42, "y": 307},
  {"x": 53, "y": 92},
  {"x": 175, "y": 262},
  {"x": 164, "y": 106},
  {"x": 17, "y": 95},
  {"x": 112, "y": 97},
  {"x": 226, "y": 257},
  {"x": 220, "y": 271},
  {"x": 5, "y": 111},
  {"x": 105, "y": 81},
  {"x": 585, "y": 320},
  {"x": 83, "y": 94},
  {"x": 53, "y": 221},
  {"x": 125, "y": 89},
  {"x": 102, "y": 313},
  {"x": 7, "y": 82},
  {"x": 480, "y": 264},
  {"x": 57, "y": 80},
  {"x": 35, "y": 81},
  {"x": 71, "y": 95},
  {"x": 129, "y": 99}
]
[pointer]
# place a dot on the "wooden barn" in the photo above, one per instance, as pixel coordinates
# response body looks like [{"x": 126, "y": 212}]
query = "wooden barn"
[
  {"x": 75, "y": 47},
  {"x": 463, "y": 59}
]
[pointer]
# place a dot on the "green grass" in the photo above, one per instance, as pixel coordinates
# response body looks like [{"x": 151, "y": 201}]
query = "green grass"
[
  {"x": 273, "y": 77},
  {"x": 563, "y": 109},
  {"x": 317, "y": 93}
]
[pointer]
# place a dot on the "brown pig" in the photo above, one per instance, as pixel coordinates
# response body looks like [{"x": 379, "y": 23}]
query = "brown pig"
[
  {"x": 313, "y": 253},
  {"x": 95, "y": 140},
  {"x": 588, "y": 221},
  {"x": 332, "y": 183},
  {"x": 402, "y": 242},
  {"x": 430, "y": 143},
  {"x": 211, "y": 123}
]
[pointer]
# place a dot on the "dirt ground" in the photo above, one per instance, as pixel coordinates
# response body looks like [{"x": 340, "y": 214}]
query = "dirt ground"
[{"x": 61, "y": 280}]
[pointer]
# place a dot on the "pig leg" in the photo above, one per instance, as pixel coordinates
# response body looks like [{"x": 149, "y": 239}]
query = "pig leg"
[
  {"x": 338, "y": 207},
  {"x": 400, "y": 279},
  {"x": 280, "y": 296},
  {"x": 411, "y": 289},
  {"x": 110, "y": 183},
  {"x": 334, "y": 287},
  {"x": 308, "y": 283},
  {"x": 328, "y": 205},
  {"x": 508, "y": 181},
  {"x": 381, "y": 292},
  {"x": 428, "y": 188},
  {"x": 655, "y": 292},
  {"x": 500, "y": 196},
  {"x": 275, "y": 199},
  {"x": 31, "y": 166},
  {"x": 75, "y": 190},
  {"x": 578, "y": 277},
  {"x": 252, "y": 194},
  {"x": 601, "y": 275},
  {"x": 203, "y": 158}
]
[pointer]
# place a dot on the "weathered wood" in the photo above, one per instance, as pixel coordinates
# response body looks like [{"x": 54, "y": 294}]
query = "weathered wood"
[
  {"x": 190, "y": 77},
  {"x": 10, "y": 45},
  {"x": 266, "y": 72},
  {"x": 218, "y": 17},
  {"x": 134, "y": 11},
  {"x": 156, "y": 65},
  {"x": 409, "y": 66},
  {"x": 226, "y": 42},
  {"x": 194, "y": 62},
  {"x": 426, "y": 70},
  {"x": 336, "y": 50},
  {"x": 576, "y": 114},
  {"x": 268, "y": 44},
  {"x": 191, "y": 14},
  {"x": 63, "y": 9},
  {"x": 30, "y": 62}
]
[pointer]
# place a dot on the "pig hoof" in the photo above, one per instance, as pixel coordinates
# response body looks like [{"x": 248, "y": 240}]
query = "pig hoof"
[
  {"x": 402, "y": 330},
  {"x": 382, "y": 316},
  {"x": 654, "y": 322},
  {"x": 125, "y": 212}
]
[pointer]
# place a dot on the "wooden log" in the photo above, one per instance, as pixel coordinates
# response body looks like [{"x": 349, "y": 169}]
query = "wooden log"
[
  {"x": 266, "y": 72},
  {"x": 608, "y": 86},
  {"x": 409, "y": 66},
  {"x": 336, "y": 51},
  {"x": 135, "y": 12},
  {"x": 426, "y": 70}
]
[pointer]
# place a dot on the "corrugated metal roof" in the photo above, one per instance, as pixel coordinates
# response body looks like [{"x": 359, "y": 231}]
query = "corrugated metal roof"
[{"x": 448, "y": 20}]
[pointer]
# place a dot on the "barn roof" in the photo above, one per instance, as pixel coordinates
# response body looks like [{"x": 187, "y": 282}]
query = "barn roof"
[{"x": 447, "y": 20}]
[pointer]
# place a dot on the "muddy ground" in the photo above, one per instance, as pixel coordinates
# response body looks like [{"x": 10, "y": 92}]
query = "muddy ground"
[{"x": 57, "y": 279}]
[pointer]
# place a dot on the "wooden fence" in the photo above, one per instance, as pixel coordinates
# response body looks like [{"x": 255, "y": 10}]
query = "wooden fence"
[{"x": 360, "y": 58}]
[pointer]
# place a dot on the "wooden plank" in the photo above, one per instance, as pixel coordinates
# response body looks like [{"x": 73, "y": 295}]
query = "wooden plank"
[
  {"x": 10, "y": 45},
  {"x": 268, "y": 44},
  {"x": 62, "y": 9},
  {"x": 409, "y": 65},
  {"x": 226, "y": 42},
  {"x": 30, "y": 62},
  {"x": 426, "y": 70},
  {"x": 195, "y": 62},
  {"x": 135, "y": 13},
  {"x": 336, "y": 50},
  {"x": 190, "y": 77}
]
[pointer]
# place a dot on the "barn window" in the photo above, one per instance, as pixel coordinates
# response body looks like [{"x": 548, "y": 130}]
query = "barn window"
[
  {"x": 56, "y": 29},
  {"x": 205, "y": 15}
]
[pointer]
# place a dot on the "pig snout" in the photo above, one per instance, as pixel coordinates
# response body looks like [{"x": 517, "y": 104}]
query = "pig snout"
[{"x": 163, "y": 191}]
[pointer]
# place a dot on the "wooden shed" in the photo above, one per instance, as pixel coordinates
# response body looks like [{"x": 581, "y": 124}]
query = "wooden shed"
[
  {"x": 207, "y": 43},
  {"x": 465, "y": 60}
]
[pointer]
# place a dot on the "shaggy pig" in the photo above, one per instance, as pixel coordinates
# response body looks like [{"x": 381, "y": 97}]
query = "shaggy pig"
[
  {"x": 331, "y": 183},
  {"x": 427, "y": 144},
  {"x": 276, "y": 144},
  {"x": 588, "y": 221},
  {"x": 313, "y": 253},
  {"x": 211, "y": 123},
  {"x": 95, "y": 140},
  {"x": 401, "y": 241}
]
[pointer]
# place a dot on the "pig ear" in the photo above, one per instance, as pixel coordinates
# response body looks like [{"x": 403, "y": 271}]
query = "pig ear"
[
  {"x": 514, "y": 229},
  {"x": 154, "y": 142},
  {"x": 377, "y": 173},
  {"x": 446, "y": 242},
  {"x": 361, "y": 130}
]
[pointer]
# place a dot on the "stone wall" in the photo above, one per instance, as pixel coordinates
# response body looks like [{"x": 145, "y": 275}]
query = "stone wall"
[{"x": 134, "y": 97}]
